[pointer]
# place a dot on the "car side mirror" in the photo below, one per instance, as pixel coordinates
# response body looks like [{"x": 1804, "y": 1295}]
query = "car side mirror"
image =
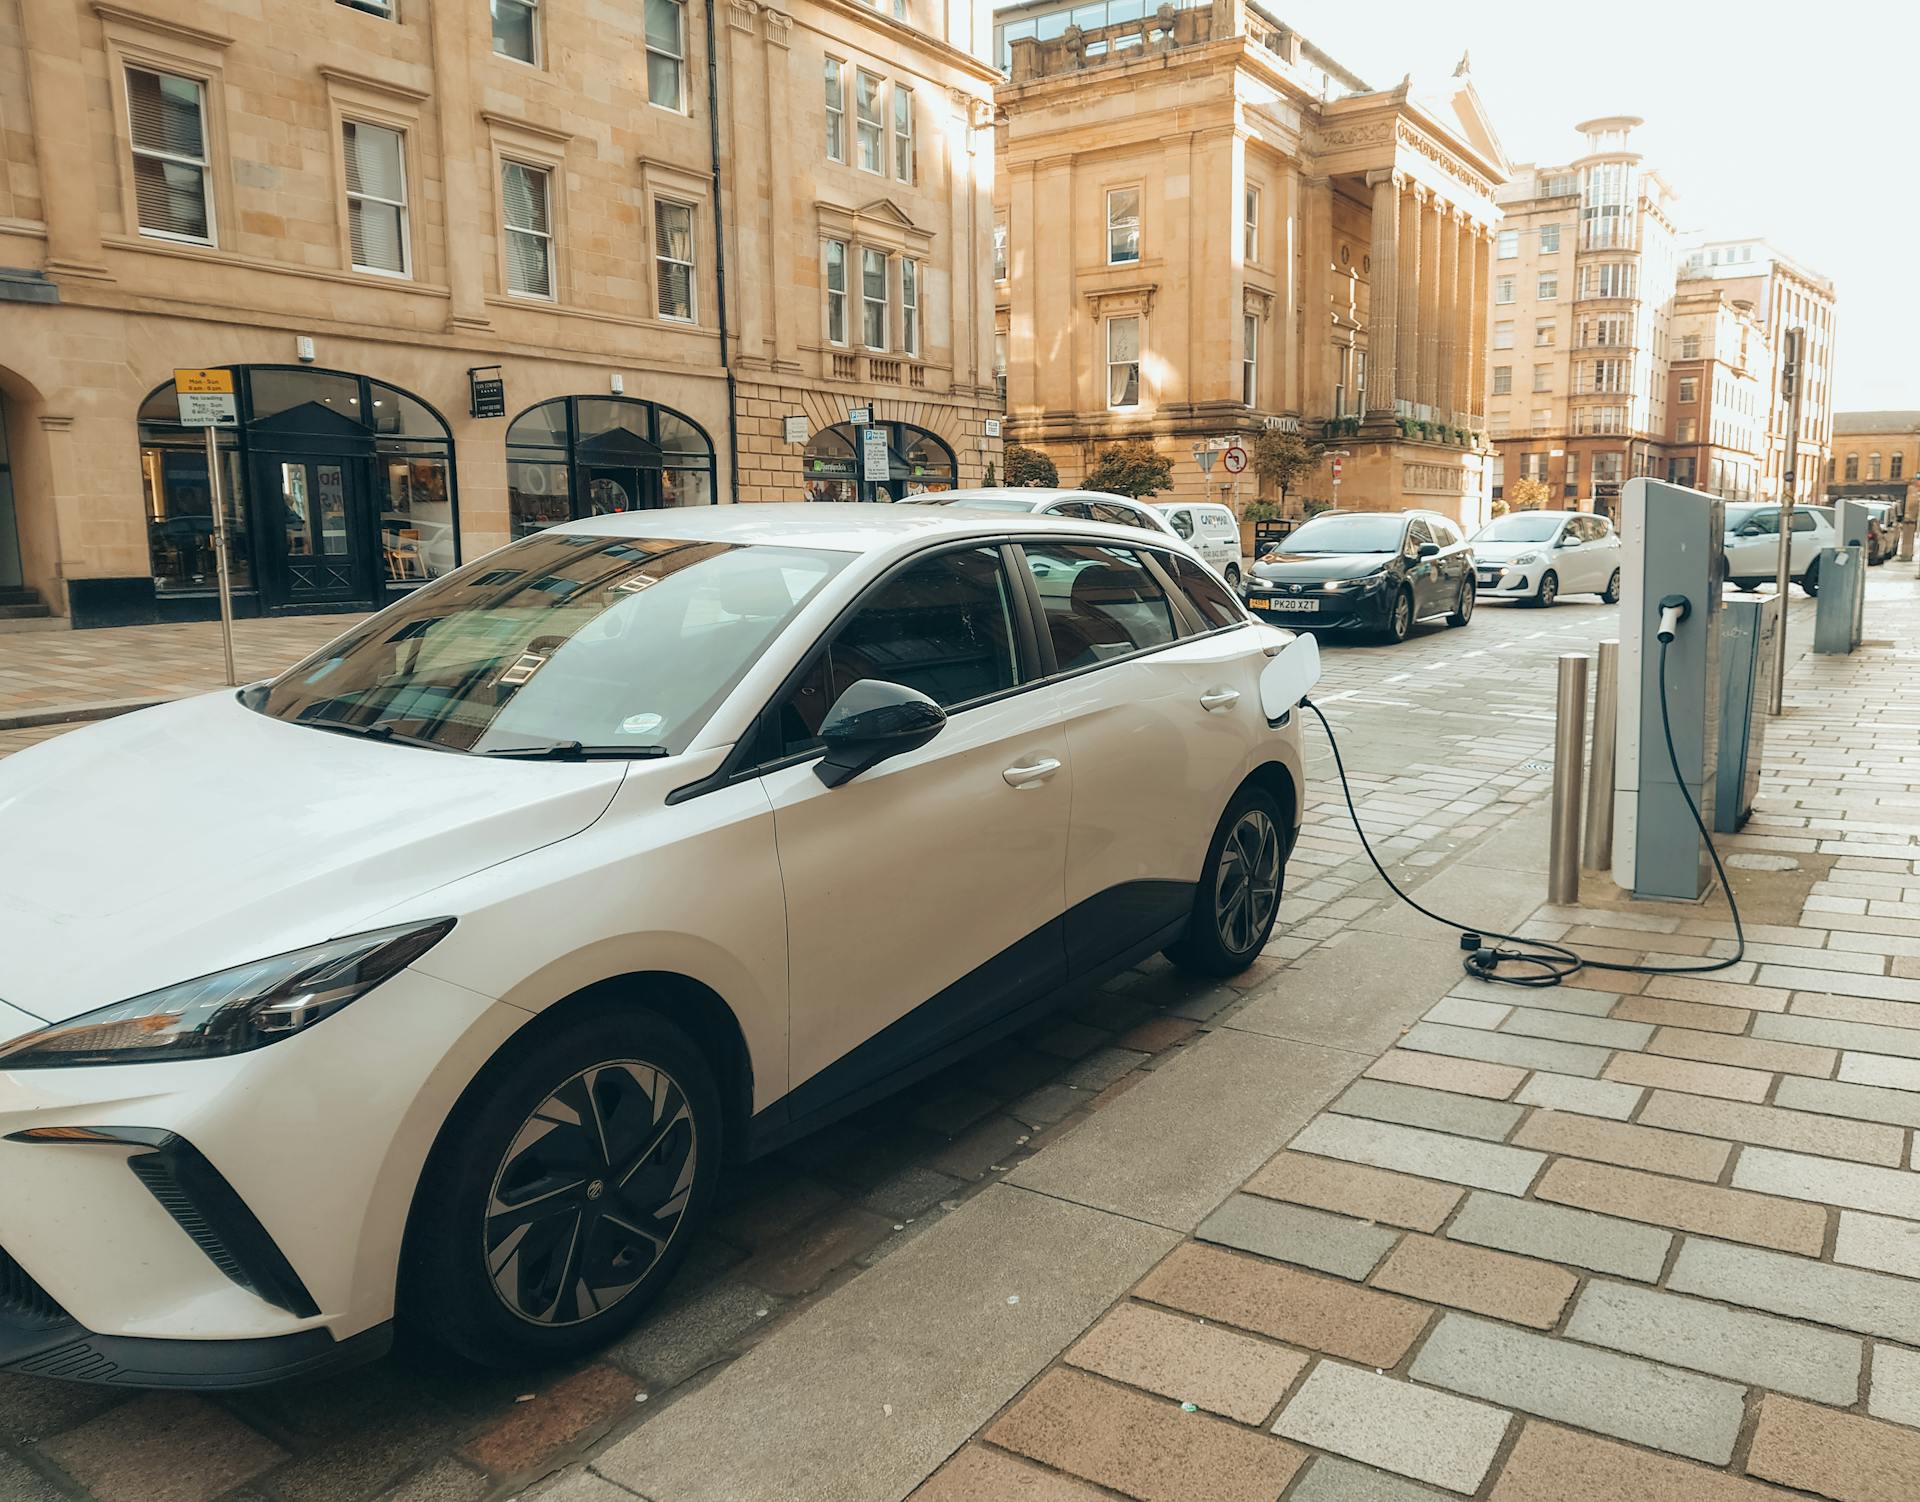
[
  {"x": 1429, "y": 550},
  {"x": 872, "y": 721},
  {"x": 1569, "y": 541},
  {"x": 1749, "y": 530}
]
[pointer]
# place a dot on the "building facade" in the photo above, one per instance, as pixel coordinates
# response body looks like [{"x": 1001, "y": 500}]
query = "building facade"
[
  {"x": 1206, "y": 227},
  {"x": 476, "y": 268},
  {"x": 1719, "y": 376},
  {"x": 1876, "y": 457}
]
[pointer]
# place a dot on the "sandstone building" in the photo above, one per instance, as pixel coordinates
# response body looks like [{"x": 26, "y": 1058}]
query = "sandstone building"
[
  {"x": 1876, "y": 457},
  {"x": 372, "y": 209}
]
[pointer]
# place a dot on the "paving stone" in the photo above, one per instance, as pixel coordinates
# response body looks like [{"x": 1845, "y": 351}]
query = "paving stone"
[
  {"x": 1555, "y": 1234},
  {"x": 1552, "y": 999},
  {"x": 1602, "y": 1032},
  {"x": 1838, "y": 1455},
  {"x": 19, "y": 1484},
  {"x": 1460, "y": 1012},
  {"x": 1843, "y": 1297},
  {"x": 1469, "y": 1277},
  {"x": 910, "y": 1191},
  {"x": 804, "y": 1259},
  {"x": 1443, "y": 1112},
  {"x": 1752, "y": 1348},
  {"x": 1335, "y": 1480},
  {"x": 1142, "y": 1447},
  {"x": 1290, "y": 1233},
  {"x": 1864, "y": 1037},
  {"x": 1896, "y": 1107},
  {"x": 1157, "y": 1034},
  {"x": 1505, "y": 1048},
  {"x": 447, "y": 1480},
  {"x": 164, "y": 1447},
  {"x": 980, "y": 1474},
  {"x": 1356, "y": 1190},
  {"x": 1213, "y": 1368},
  {"x": 1564, "y": 1092},
  {"x": 1683, "y": 1014},
  {"x": 1551, "y": 1464},
  {"x": 1432, "y": 1155},
  {"x": 1892, "y": 1246},
  {"x": 528, "y": 1435},
  {"x": 1694, "y": 1078},
  {"x": 1441, "y": 1072},
  {"x": 579, "y": 1486},
  {"x": 1731, "y": 1214},
  {"x": 1101, "y": 1069},
  {"x": 1620, "y": 1142},
  {"x": 1858, "y": 1186},
  {"x": 1634, "y": 1400},
  {"x": 1048, "y": 1104},
  {"x": 1385, "y": 1422},
  {"x": 1770, "y": 1126},
  {"x": 1894, "y": 1388},
  {"x": 1744, "y": 1053},
  {"x": 977, "y": 1151},
  {"x": 683, "y": 1338},
  {"x": 1322, "y": 1314},
  {"x": 1717, "y": 993},
  {"x": 1876, "y": 1069}
]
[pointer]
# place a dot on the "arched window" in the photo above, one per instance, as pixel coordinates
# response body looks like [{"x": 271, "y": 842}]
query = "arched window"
[
  {"x": 836, "y": 464},
  {"x": 1873, "y": 466},
  {"x": 593, "y": 455}
]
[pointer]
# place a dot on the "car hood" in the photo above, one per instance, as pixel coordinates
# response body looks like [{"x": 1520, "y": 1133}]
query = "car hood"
[
  {"x": 1500, "y": 552},
  {"x": 1287, "y": 568},
  {"x": 178, "y": 841}
]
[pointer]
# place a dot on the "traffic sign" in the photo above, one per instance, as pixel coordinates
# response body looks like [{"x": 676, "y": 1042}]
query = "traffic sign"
[
  {"x": 1336, "y": 469},
  {"x": 876, "y": 464},
  {"x": 1204, "y": 457},
  {"x": 1235, "y": 460},
  {"x": 206, "y": 398}
]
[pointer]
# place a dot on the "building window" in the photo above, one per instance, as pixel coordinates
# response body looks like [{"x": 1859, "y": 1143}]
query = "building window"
[
  {"x": 1509, "y": 244},
  {"x": 666, "y": 54},
  {"x": 1689, "y": 346},
  {"x": 1548, "y": 288},
  {"x": 836, "y": 110},
  {"x": 1123, "y": 362},
  {"x": 1503, "y": 335},
  {"x": 1853, "y": 468},
  {"x": 516, "y": 29},
  {"x": 1897, "y": 466},
  {"x": 1608, "y": 280},
  {"x": 376, "y": 197},
  {"x": 1123, "y": 226},
  {"x": 1689, "y": 430},
  {"x": 1549, "y": 239},
  {"x": 1873, "y": 466},
  {"x": 873, "y": 297},
  {"x": 999, "y": 250},
  {"x": 529, "y": 229},
  {"x": 371, "y": 7},
  {"x": 673, "y": 257},
  {"x": 1503, "y": 289},
  {"x": 1000, "y": 365},
  {"x": 1503, "y": 380},
  {"x": 1607, "y": 375},
  {"x": 1544, "y": 333},
  {"x": 1543, "y": 378},
  {"x": 909, "y": 306},
  {"x": 580, "y": 456},
  {"x": 903, "y": 133},
  {"x": 836, "y": 292},
  {"x": 867, "y": 122},
  {"x": 167, "y": 116},
  {"x": 1689, "y": 390},
  {"x": 1253, "y": 229},
  {"x": 1249, "y": 359}
]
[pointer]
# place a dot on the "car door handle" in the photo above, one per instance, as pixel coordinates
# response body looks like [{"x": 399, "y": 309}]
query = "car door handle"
[
  {"x": 1028, "y": 776},
  {"x": 1220, "y": 698}
]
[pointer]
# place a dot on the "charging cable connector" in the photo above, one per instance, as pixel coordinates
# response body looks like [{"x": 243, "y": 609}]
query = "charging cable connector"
[{"x": 1673, "y": 610}]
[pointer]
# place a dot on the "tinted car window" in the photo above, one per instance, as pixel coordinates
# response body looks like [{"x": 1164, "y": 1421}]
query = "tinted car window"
[
  {"x": 1444, "y": 533},
  {"x": 943, "y": 626},
  {"x": 1120, "y": 516},
  {"x": 1211, "y": 599},
  {"x": 1417, "y": 533},
  {"x": 1100, "y": 603},
  {"x": 1802, "y": 522},
  {"x": 1182, "y": 522},
  {"x": 1075, "y": 509}
]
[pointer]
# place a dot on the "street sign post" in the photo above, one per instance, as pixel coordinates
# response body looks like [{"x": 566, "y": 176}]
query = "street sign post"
[
  {"x": 875, "y": 468},
  {"x": 1790, "y": 385},
  {"x": 207, "y": 401},
  {"x": 1235, "y": 460}
]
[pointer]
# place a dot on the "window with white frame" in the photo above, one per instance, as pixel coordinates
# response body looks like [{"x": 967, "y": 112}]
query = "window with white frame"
[
  {"x": 1253, "y": 227},
  {"x": 1123, "y": 227},
  {"x": 1689, "y": 346},
  {"x": 1503, "y": 334},
  {"x": 371, "y": 7},
  {"x": 516, "y": 29},
  {"x": 1549, "y": 239},
  {"x": 1853, "y": 468},
  {"x": 667, "y": 54},
  {"x": 999, "y": 250},
  {"x": 1689, "y": 429},
  {"x": 1873, "y": 466},
  {"x": 909, "y": 306},
  {"x": 1123, "y": 361},
  {"x": 1545, "y": 332},
  {"x": 1543, "y": 378},
  {"x": 903, "y": 133},
  {"x": 873, "y": 297},
  {"x": 836, "y": 291},
  {"x": 1000, "y": 364},
  {"x": 836, "y": 84},
  {"x": 1503, "y": 380},
  {"x": 527, "y": 194},
  {"x": 673, "y": 258},
  {"x": 1508, "y": 244},
  {"x": 1548, "y": 288},
  {"x": 1609, "y": 279},
  {"x": 1503, "y": 289},
  {"x": 1249, "y": 360},
  {"x": 1689, "y": 390},
  {"x": 1607, "y": 375},
  {"x": 168, "y": 123},
  {"x": 869, "y": 127},
  {"x": 376, "y": 196}
]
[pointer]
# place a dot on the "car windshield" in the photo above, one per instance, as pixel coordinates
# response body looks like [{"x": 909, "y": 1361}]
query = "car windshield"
[
  {"x": 560, "y": 642},
  {"x": 1348, "y": 534},
  {"x": 978, "y": 502},
  {"x": 1521, "y": 526}
]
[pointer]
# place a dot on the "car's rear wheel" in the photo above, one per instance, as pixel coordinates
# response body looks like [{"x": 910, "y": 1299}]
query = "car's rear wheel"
[
  {"x": 1549, "y": 590},
  {"x": 1233, "y": 575},
  {"x": 1462, "y": 611},
  {"x": 563, "y": 1193},
  {"x": 1810, "y": 580},
  {"x": 1400, "y": 617},
  {"x": 1240, "y": 888},
  {"x": 1611, "y": 594}
]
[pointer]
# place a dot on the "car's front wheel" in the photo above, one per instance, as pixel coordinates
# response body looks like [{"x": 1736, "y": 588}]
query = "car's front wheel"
[
  {"x": 1810, "y": 580},
  {"x": 1611, "y": 594},
  {"x": 1400, "y": 616},
  {"x": 1549, "y": 590},
  {"x": 1233, "y": 575},
  {"x": 1240, "y": 888},
  {"x": 563, "y": 1193}
]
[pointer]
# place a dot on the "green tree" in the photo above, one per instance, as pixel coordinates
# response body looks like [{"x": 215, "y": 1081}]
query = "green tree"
[
  {"x": 1528, "y": 495},
  {"x": 1134, "y": 467},
  {"x": 1029, "y": 466},
  {"x": 990, "y": 482},
  {"x": 1282, "y": 460}
]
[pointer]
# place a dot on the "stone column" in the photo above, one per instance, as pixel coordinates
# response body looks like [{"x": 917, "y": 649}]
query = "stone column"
[
  {"x": 63, "y": 145},
  {"x": 1433, "y": 311},
  {"x": 1482, "y": 290},
  {"x": 791, "y": 326},
  {"x": 1448, "y": 388},
  {"x": 749, "y": 187},
  {"x": 1406, "y": 364},
  {"x": 460, "y": 150},
  {"x": 1383, "y": 295},
  {"x": 1285, "y": 251},
  {"x": 1314, "y": 259}
]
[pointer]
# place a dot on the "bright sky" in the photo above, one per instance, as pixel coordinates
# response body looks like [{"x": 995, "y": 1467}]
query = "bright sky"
[{"x": 1795, "y": 123}]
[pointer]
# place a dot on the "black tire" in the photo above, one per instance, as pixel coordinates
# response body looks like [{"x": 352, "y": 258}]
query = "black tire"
[
  {"x": 1400, "y": 618},
  {"x": 1611, "y": 594},
  {"x": 1548, "y": 592},
  {"x": 1810, "y": 580},
  {"x": 1233, "y": 576},
  {"x": 468, "y": 1286},
  {"x": 1462, "y": 611},
  {"x": 1240, "y": 888},
  {"x": 1749, "y": 585}
]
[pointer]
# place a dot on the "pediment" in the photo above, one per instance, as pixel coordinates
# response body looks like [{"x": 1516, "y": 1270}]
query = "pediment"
[{"x": 887, "y": 211}]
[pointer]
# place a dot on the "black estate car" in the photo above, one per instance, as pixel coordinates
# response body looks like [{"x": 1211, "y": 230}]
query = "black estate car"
[{"x": 1366, "y": 572}]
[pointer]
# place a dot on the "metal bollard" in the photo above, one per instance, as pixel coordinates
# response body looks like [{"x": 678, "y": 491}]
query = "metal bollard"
[
  {"x": 1569, "y": 753},
  {"x": 1596, "y": 852}
]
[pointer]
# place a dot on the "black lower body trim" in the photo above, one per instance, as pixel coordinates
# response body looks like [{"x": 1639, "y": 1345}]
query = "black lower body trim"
[{"x": 74, "y": 1354}]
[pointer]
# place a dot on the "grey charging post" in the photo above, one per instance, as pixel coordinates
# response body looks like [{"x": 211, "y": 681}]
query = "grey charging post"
[{"x": 1840, "y": 610}]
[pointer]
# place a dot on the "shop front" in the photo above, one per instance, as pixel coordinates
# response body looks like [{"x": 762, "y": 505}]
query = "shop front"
[
  {"x": 578, "y": 456},
  {"x": 836, "y": 468}
]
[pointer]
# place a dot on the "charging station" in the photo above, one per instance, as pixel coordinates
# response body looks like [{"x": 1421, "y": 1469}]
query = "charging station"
[
  {"x": 1671, "y": 547},
  {"x": 1840, "y": 611}
]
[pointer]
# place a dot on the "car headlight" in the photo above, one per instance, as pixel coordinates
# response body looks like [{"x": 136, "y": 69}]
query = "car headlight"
[
  {"x": 231, "y": 1011},
  {"x": 1525, "y": 558}
]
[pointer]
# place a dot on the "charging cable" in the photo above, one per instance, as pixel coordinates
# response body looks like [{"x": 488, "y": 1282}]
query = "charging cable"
[{"x": 1549, "y": 964}]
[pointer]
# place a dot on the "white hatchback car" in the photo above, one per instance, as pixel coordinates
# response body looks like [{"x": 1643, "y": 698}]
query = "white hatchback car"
[
  {"x": 1082, "y": 505},
  {"x": 1537, "y": 556},
  {"x": 433, "y": 980},
  {"x": 1212, "y": 531}
]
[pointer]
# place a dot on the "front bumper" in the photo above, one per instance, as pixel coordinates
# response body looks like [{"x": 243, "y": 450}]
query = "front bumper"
[
  {"x": 1505, "y": 579},
  {"x": 1316, "y": 608}
]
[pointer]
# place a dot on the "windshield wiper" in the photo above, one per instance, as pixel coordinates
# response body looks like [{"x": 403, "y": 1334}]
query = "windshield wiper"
[
  {"x": 380, "y": 731},
  {"x": 575, "y": 751}
]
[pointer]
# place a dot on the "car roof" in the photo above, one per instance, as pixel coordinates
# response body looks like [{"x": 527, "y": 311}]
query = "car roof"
[
  {"x": 837, "y": 526},
  {"x": 1036, "y": 495}
]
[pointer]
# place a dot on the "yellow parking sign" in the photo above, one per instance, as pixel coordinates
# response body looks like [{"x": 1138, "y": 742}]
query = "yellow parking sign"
[{"x": 206, "y": 398}]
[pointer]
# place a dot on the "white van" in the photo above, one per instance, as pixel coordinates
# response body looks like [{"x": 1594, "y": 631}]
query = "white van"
[{"x": 1210, "y": 531}]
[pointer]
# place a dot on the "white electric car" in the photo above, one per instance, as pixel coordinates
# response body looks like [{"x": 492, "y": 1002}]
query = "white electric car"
[
  {"x": 1083, "y": 505},
  {"x": 431, "y": 982},
  {"x": 1537, "y": 556}
]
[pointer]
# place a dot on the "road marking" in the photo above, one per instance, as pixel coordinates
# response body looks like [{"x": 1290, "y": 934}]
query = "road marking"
[
  {"x": 1442, "y": 663},
  {"x": 1397, "y": 677},
  {"x": 1343, "y": 694},
  {"x": 1476, "y": 653}
]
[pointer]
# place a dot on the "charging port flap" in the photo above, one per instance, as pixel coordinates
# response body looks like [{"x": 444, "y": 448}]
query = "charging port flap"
[{"x": 1288, "y": 678}]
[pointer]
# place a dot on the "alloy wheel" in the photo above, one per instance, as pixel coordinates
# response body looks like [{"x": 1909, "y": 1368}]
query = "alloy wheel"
[
  {"x": 1247, "y": 886},
  {"x": 1549, "y": 589},
  {"x": 591, "y": 1192},
  {"x": 1465, "y": 611},
  {"x": 1402, "y": 617}
]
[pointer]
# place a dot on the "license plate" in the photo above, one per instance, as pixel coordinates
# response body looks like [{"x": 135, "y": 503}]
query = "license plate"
[{"x": 1267, "y": 604}]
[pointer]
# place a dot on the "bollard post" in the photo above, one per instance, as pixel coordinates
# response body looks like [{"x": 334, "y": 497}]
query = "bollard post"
[
  {"x": 1597, "y": 848},
  {"x": 1569, "y": 748}
]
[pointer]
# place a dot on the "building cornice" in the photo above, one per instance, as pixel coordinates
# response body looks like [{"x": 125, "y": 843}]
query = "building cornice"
[{"x": 164, "y": 25}]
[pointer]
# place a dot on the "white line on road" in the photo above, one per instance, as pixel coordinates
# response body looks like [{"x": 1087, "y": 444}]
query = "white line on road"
[{"x": 1397, "y": 677}]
